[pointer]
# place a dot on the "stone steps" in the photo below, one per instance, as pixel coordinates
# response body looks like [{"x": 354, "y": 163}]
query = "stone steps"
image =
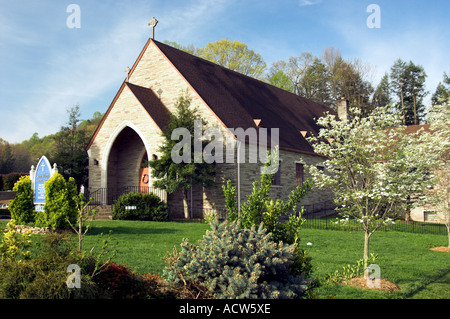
[{"x": 103, "y": 212}]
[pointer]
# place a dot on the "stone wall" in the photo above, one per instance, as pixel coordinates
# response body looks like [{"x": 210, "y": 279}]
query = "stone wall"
[{"x": 211, "y": 199}]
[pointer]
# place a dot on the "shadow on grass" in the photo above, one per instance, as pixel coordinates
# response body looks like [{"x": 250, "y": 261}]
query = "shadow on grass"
[
  {"x": 125, "y": 230},
  {"x": 433, "y": 278}
]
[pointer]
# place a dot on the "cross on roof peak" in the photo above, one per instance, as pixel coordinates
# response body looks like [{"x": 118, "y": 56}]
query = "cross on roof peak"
[{"x": 153, "y": 22}]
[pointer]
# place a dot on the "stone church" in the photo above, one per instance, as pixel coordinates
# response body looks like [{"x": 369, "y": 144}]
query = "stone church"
[{"x": 130, "y": 131}]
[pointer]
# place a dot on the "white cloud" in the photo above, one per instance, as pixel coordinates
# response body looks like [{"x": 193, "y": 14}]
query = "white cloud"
[{"x": 304, "y": 3}]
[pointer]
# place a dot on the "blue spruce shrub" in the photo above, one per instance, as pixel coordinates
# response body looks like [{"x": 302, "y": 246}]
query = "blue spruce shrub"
[{"x": 235, "y": 262}]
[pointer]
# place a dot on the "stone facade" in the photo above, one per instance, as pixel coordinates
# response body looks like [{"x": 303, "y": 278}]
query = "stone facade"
[{"x": 128, "y": 132}]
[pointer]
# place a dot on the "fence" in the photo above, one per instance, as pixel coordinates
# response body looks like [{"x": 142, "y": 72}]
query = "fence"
[
  {"x": 318, "y": 216},
  {"x": 327, "y": 218},
  {"x": 107, "y": 196}
]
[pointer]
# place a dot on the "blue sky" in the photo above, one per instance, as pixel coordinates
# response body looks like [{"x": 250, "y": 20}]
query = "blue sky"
[{"x": 47, "y": 67}]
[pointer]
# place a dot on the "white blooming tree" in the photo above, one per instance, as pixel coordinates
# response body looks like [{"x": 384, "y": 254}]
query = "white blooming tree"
[
  {"x": 372, "y": 166},
  {"x": 438, "y": 196}
]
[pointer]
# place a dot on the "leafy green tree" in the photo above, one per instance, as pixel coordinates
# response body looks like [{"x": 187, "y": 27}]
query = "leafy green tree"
[
  {"x": 281, "y": 80},
  {"x": 6, "y": 157},
  {"x": 234, "y": 55},
  {"x": 37, "y": 146},
  {"x": 182, "y": 175},
  {"x": 324, "y": 80},
  {"x": 294, "y": 69}
]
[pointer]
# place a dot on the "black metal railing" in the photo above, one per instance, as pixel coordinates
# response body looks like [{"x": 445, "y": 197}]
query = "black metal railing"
[
  {"x": 107, "y": 196},
  {"x": 327, "y": 218}
]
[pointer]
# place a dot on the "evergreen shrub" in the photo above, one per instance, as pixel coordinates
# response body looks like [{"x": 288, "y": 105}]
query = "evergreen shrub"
[
  {"x": 138, "y": 206},
  {"x": 60, "y": 204},
  {"x": 22, "y": 207},
  {"x": 235, "y": 262}
]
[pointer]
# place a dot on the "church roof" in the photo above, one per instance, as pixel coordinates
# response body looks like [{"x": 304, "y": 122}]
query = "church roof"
[
  {"x": 152, "y": 104},
  {"x": 239, "y": 100}
]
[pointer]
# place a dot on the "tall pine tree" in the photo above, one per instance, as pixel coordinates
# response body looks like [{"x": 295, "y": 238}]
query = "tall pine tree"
[{"x": 408, "y": 84}]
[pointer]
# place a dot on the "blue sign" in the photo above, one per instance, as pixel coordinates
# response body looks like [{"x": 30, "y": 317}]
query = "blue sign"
[{"x": 42, "y": 175}]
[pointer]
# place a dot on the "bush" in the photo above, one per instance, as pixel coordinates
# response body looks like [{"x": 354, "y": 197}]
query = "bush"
[
  {"x": 22, "y": 207},
  {"x": 236, "y": 262},
  {"x": 14, "y": 246},
  {"x": 138, "y": 206},
  {"x": 45, "y": 277},
  {"x": 60, "y": 204}
]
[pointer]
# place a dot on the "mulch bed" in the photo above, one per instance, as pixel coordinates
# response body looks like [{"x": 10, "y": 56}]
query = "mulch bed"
[
  {"x": 445, "y": 249},
  {"x": 360, "y": 282}
]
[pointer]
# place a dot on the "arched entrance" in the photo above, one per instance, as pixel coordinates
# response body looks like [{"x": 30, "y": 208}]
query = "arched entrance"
[{"x": 124, "y": 172}]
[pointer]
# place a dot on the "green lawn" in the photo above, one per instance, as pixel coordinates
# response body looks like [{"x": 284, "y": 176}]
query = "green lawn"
[
  {"x": 143, "y": 245},
  {"x": 404, "y": 258}
]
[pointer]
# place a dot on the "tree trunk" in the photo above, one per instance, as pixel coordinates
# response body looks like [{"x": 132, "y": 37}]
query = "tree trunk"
[
  {"x": 408, "y": 210},
  {"x": 448, "y": 231},
  {"x": 415, "y": 110},
  {"x": 403, "y": 107},
  {"x": 366, "y": 252}
]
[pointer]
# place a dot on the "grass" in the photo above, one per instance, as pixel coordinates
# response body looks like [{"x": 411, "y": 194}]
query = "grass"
[
  {"x": 143, "y": 245},
  {"x": 404, "y": 258}
]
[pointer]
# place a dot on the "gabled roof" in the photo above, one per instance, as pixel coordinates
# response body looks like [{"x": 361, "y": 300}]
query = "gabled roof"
[
  {"x": 237, "y": 100},
  {"x": 152, "y": 104}
]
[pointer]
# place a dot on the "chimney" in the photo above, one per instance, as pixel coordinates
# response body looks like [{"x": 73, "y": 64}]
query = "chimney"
[{"x": 342, "y": 109}]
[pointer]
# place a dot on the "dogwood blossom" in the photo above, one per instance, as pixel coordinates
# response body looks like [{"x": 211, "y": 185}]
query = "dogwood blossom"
[{"x": 372, "y": 164}]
